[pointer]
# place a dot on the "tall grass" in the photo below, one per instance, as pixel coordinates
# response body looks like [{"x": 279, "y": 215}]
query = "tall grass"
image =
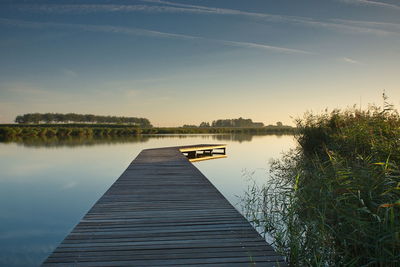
[
  {"x": 335, "y": 199},
  {"x": 8, "y": 131},
  {"x": 12, "y": 132}
]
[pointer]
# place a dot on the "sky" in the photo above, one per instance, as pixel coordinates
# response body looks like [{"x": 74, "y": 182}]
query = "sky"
[{"x": 181, "y": 62}]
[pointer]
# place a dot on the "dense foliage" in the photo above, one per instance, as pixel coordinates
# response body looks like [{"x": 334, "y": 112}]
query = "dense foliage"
[
  {"x": 9, "y": 132},
  {"x": 80, "y": 118},
  {"x": 335, "y": 200},
  {"x": 232, "y": 123}
]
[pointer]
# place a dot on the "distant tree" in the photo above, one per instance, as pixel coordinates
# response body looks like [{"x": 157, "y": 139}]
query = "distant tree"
[
  {"x": 258, "y": 124},
  {"x": 80, "y": 118},
  {"x": 33, "y": 118},
  {"x": 20, "y": 119},
  {"x": 279, "y": 124},
  {"x": 240, "y": 123},
  {"x": 90, "y": 118},
  {"x": 204, "y": 124},
  {"x": 47, "y": 117}
]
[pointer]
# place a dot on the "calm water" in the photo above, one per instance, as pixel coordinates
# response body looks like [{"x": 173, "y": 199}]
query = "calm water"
[{"x": 47, "y": 186}]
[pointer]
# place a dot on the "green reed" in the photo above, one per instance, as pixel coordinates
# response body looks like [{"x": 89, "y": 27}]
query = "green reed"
[
  {"x": 9, "y": 131},
  {"x": 335, "y": 199}
]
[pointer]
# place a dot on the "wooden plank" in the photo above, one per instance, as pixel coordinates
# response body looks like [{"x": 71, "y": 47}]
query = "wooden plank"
[
  {"x": 163, "y": 211},
  {"x": 200, "y": 147},
  {"x": 208, "y": 158}
]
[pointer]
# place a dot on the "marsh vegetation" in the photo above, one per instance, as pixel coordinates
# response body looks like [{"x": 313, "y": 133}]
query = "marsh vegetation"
[
  {"x": 335, "y": 199},
  {"x": 11, "y": 131}
]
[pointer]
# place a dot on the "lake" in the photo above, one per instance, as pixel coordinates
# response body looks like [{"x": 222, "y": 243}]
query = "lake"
[{"x": 46, "y": 186}]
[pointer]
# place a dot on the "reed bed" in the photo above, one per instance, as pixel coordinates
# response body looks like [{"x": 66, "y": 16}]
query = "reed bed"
[
  {"x": 335, "y": 199},
  {"x": 9, "y": 131}
]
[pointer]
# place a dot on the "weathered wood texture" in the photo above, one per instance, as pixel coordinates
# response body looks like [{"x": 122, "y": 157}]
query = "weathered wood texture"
[{"x": 163, "y": 211}]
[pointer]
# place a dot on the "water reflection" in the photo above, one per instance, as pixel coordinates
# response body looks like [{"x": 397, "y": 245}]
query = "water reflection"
[
  {"x": 244, "y": 137},
  {"x": 73, "y": 141},
  {"x": 44, "y": 192}
]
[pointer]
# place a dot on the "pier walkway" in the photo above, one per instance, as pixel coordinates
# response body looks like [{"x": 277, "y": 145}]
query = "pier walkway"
[{"x": 163, "y": 211}]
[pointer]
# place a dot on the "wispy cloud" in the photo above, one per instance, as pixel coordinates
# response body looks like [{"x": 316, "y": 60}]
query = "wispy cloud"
[
  {"x": 384, "y": 26},
  {"x": 220, "y": 11},
  {"x": 349, "y": 60},
  {"x": 266, "y": 47},
  {"x": 372, "y": 3},
  {"x": 332, "y": 23},
  {"x": 149, "y": 33},
  {"x": 161, "y": 6},
  {"x": 95, "y": 8},
  {"x": 94, "y": 28}
]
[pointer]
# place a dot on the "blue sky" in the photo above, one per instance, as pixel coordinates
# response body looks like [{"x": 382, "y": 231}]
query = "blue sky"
[{"x": 184, "y": 62}]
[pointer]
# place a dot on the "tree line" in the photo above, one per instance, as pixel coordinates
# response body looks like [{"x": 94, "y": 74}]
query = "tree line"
[
  {"x": 80, "y": 118},
  {"x": 240, "y": 122},
  {"x": 236, "y": 123}
]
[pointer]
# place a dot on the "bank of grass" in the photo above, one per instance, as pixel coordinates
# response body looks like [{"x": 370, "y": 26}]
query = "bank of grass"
[
  {"x": 9, "y": 131},
  {"x": 335, "y": 199},
  {"x": 221, "y": 130}
]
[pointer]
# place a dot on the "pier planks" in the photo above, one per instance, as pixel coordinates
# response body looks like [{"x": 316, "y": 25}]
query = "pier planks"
[{"x": 163, "y": 211}]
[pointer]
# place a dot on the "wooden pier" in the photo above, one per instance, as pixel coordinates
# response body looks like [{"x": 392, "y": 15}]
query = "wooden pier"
[
  {"x": 163, "y": 211},
  {"x": 203, "y": 152}
]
